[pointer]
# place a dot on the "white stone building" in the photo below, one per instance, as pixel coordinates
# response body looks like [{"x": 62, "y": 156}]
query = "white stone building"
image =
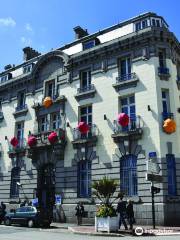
[{"x": 132, "y": 67}]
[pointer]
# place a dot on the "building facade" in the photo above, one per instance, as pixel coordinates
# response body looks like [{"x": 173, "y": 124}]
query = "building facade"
[{"x": 132, "y": 67}]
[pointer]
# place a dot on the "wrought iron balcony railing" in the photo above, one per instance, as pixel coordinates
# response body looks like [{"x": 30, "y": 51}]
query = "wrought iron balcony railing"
[
  {"x": 93, "y": 132},
  {"x": 21, "y": 107},
  {"x": 166, "y": 115},
  {"x": 126, "y": 77},
  {"x": 135, "y": 124},
  {"x": 84, "y": 89},
  {"x": 163, "y": 70}
]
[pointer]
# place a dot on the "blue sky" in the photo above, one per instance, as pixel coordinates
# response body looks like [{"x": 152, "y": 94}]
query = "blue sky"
[{"x": 44, "y": 24}]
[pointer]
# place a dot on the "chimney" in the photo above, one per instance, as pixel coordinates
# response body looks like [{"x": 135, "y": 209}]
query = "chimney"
[
  {"x": 8, "y": 67},
  {"x": 80, "y": 32},
  {"x": 29, "y": 53}
]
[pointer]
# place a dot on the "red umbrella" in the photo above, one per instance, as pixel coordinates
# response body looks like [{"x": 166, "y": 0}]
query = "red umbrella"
[
  {"x": 14, "y": 141},
  {"x": 83, "y": 127},
  {"x": 123, "y": 119},
  {"x": 32, "y": 141},
  {"x": 53, "y": 137}
]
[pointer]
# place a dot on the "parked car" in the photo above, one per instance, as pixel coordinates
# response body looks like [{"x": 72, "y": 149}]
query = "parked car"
[{"x": 28, "y": 216}]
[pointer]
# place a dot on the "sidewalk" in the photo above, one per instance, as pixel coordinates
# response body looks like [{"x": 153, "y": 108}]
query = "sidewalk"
[{"x": 90, "y": 230}]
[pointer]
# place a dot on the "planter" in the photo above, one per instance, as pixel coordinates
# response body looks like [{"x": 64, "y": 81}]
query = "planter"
[{"x": 107, "y": 224}]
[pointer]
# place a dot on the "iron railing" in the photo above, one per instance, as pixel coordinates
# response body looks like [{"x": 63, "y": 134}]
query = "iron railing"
[
  {"x": 87, "y": 88},
  {"x": 21, "y": 107},
  {"x": 163, "y": 70},
  {"x": 93, "y": 131},
  {"x": 126, "y": 77},
  {"x": 135, "y": 124}
]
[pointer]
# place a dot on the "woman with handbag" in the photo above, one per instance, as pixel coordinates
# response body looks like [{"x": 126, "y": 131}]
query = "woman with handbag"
[{"x": 130, "y": 214}]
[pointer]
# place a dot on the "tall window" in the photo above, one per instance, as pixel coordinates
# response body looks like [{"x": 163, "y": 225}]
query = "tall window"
[
  {"x": 162, "y": 58},
  {"x": 125, "y": 67},
  {"x": 84, "y": 178},
  {"x": 165, "y": 104},
  {"x": 85, "y": 79},
  {"x": 20, "y": 133},
  {"x": 50, "y": 89},
  {"x": 15, "y": 178},
  {"x": 128, "y": 175},
  {"x": 55, "y": 121},
  {"x": 43, "y": 124},
  {"x": 171, "y": 171},
  {"x": 21, "y": 99},
  {"x": 86, "y": 115},
  {"x": 128, "y": 106}
]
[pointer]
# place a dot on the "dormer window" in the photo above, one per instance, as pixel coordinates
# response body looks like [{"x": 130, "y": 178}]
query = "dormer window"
[
  {"x": 6, "y": 77},
  {"x": 141, "y": 24},
  {"x": 88, "y": 44},
  {"x": 27, "y": 68}
]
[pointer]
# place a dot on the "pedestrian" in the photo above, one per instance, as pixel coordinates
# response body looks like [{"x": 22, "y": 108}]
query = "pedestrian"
[
  {"x": 79, "y": 212},
  {"x": 121, "y": 209},
  {"x": 2, "y": 211},
  {"x": 130, "y": 214}
]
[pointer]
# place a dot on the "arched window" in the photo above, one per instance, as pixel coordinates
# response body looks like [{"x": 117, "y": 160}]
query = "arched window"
[
  {"x": 84, "y": 178},
  {"x": 128, "y": 175},
  {"x": 15, "y": 178}
]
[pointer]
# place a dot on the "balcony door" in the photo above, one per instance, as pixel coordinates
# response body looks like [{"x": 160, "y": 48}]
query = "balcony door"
[
  {"x": 20, "y": 133},
  {"x": 125, "y": 68},
  {"x": 128, "y": 107},
  {"x": 85, "y": 79}
]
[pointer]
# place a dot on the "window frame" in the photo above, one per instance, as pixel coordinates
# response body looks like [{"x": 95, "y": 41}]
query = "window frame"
[
  {"x": 87, "y": 173},
  {"x": 55, "y": 121},
  {"x": 46, "y": 123}
]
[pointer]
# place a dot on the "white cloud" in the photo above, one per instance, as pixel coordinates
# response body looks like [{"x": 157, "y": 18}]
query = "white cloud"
[
  {"x": 7, "y": 22},
  {"x": 26, "y": 41},
  {"x": 28, "y": 28}
]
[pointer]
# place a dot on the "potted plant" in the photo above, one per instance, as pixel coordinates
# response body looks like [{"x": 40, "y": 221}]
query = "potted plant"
[{"x": 106, "y": 218}]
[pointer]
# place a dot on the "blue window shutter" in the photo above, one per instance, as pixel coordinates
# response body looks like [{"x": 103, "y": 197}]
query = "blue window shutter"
[{"x": 171, "y": 174}]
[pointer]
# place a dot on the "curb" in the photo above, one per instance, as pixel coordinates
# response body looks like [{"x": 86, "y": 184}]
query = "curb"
[{"x": 95, "y": 233}]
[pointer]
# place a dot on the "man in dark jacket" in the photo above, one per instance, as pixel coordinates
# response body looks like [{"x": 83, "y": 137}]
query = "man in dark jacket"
[
  {"x": 79, "y": 212},
  {"x": 130, "y": 214},
  {"x": 121, "y": 209}
]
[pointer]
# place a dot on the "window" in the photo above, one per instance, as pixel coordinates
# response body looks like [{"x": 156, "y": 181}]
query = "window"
[
  {"x": 27, "y": 68},
  {"x": 21, "y": 99},
  {"x": 162, "y": 58},
  {"x": 128, "y": 107},
  {"x": 153, "y": 22},
  {"x": 89, "y": 44},
  {"x": 43, "y": 124},
  {"x": 171, "y": 171},
  {"x": 165, "y": 103},
  {"x": 20, "y": 133},
  {"x": 125, "y": 68},
  {"x": 141, "y": 24},
  {"x": 86, "y": 115},
  {"x": 85, "y": 79},
  {"x": 144, "y": 23},
  {"x": 156, "y": 22},
  {"x": 128, "y": 175},
  {"x": 55, "y": 121},
  {"x": 15, "y": 178},
  {"x": 84, "y": 179},
  {"x": 50, "y": 89},
  {"x": 6, "y": 77}
]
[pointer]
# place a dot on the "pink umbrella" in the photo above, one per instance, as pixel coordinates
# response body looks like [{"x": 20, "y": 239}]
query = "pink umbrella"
[{"x": 123, "y": 119}]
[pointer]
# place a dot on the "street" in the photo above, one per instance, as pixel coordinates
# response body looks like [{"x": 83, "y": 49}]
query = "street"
[{"x": 23, "y": 233}]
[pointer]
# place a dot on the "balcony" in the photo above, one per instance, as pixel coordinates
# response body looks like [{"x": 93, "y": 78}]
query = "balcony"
[
  {"x": 163, "y": 73},
  {"x": 20, "y": 149},
  {"x": 85, "y": 92},
  {"x": 89, "y": 139},
  {"x": 133, "y": 131},
  {"x": 1, "y": 116},
  {"x": 178, "y": 82},
  {"x": 56, "y": 99},
  {"x": 20, "y": 110},
  {"x": 126, "y": 81}
]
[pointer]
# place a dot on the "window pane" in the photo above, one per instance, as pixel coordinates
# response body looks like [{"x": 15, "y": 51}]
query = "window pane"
[
  {"x": 124, "y": 101},
  {"x": 131, "y": 99}
]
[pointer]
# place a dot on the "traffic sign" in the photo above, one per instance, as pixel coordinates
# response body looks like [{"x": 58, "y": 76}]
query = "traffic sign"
[
  {"x": 154, "y": 178},
  {"x": 153, "y": 166},
  {"x": 152, "y": 155},
  {"x": 58, "y": 199}
]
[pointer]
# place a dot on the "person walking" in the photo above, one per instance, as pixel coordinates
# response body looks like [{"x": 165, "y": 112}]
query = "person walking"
[
  {"x": 130, "y": 214},
  {"x": 79, "y": 213},
  {"x": 121, "y": 209}
]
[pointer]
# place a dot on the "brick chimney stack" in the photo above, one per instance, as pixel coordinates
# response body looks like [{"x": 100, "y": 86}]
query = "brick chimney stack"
[
  {"x": 80, "y": 32},
  {"x": 29, "y": 53}
]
